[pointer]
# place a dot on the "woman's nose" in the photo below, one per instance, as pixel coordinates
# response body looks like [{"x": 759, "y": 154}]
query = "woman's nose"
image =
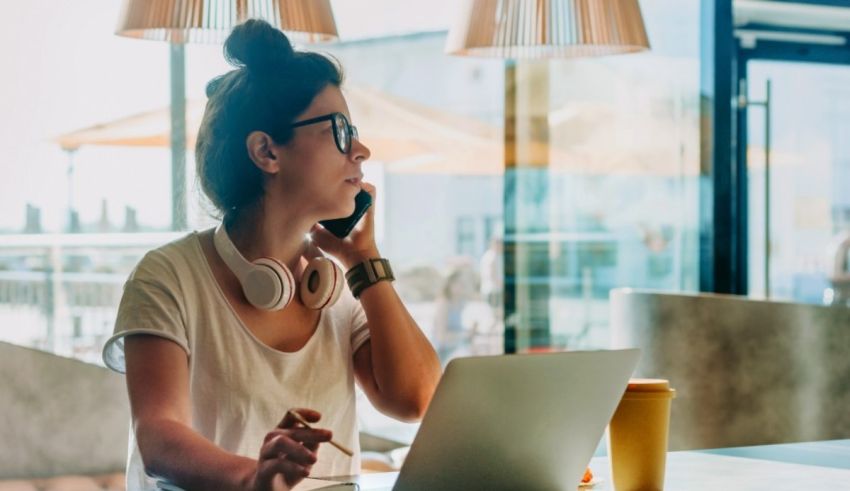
[{"x": 359, "y": 151}]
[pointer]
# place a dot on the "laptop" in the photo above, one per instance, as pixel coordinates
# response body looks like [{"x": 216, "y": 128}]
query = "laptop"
[{"x": 510, "y": 422}]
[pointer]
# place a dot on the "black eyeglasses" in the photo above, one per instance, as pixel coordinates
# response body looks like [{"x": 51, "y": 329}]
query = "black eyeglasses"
[{"x": 344, "y": 132}]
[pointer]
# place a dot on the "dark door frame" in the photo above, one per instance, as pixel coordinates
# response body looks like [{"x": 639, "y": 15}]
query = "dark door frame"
[{"x": 724, "y": 240}]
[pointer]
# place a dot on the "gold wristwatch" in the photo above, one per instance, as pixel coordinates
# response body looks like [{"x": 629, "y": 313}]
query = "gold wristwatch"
[{"x": 367, "y": 273}]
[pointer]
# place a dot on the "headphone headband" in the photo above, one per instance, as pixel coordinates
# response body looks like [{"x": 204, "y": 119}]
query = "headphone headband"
[
  {"x": 230, "y": 254},
  {"x": 267, "y": 283}
]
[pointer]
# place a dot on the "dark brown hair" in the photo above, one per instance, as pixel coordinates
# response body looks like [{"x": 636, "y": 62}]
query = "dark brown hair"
[{"x": 270, "y": 86}]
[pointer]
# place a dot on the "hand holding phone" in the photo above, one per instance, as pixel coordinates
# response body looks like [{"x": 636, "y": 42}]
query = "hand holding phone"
[{"x": 341, "y": 227}]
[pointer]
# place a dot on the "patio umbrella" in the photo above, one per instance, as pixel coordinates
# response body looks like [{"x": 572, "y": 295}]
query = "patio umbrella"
[
  {"x": 405, "y": 136},
  {"x": 411, "y": 138},
  {"x": 147, "y": 129}
]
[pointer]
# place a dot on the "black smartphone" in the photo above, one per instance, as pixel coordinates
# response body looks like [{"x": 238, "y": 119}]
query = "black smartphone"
[{"x": 341, "y": 227}]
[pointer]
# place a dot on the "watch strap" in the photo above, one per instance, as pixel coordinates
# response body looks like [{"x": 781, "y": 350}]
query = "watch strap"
[{"x": 365, "y": 274}]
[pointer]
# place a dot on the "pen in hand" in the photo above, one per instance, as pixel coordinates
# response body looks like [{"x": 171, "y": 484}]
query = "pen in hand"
[{"x": 301, "y": 420}]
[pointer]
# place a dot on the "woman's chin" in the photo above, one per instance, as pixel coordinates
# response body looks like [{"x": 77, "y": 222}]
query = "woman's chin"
[
  {"x": 341, "y": 213},
  {"x": 348, "y": 207},
  {"x": 343, "y": 208}
]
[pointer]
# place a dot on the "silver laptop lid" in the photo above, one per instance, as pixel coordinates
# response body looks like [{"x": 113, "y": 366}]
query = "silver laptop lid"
[{"x": 529, "y": 422}]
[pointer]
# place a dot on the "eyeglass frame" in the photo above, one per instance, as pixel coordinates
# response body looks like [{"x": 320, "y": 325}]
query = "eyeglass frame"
[{"x": 352, "y": 130}]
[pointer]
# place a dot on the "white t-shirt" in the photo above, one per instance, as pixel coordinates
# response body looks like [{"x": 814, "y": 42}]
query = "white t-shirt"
[{"x": 240, "y": 388}]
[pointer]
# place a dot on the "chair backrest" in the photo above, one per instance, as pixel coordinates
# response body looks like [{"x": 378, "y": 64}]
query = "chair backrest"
[
  {"x": 746, "y": 372},
  {"x": 60, "y": 416}
]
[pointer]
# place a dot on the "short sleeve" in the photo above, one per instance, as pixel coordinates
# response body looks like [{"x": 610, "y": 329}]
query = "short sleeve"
[
  {"x": 151, "y": 305},
  {"x": 359, "y": 327}
]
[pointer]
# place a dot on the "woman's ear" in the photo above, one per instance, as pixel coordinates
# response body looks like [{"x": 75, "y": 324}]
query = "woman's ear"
[{"x": 263, "y": 152}]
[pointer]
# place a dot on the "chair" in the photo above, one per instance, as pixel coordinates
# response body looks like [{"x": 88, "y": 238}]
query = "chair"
[{"x": 747, "y": 372}]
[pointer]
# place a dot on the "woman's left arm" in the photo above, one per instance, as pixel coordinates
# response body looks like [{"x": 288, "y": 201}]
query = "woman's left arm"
[{"x": 397, "y": 368}]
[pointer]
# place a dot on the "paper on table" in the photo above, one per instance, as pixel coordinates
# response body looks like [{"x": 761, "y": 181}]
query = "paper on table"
[
  {"x": 306, "y": 485},
  {"x": 309, "y": 484}
]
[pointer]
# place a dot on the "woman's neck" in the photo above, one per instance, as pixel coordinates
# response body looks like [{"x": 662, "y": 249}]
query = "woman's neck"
[{"x": 257, "y": 233}]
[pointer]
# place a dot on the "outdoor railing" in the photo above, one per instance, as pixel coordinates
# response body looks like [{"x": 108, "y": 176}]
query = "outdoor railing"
[{"x": 60, "y": 292}]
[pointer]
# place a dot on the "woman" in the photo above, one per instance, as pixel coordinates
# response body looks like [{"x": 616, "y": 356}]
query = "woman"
[{"x": 211, "y": 370}]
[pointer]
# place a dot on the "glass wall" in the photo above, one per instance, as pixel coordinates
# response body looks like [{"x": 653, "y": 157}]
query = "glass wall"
[
  {"x": 606, "y": 198},
  {"x": 613, "y": 202},
  {"x": 74, "y": 218}
]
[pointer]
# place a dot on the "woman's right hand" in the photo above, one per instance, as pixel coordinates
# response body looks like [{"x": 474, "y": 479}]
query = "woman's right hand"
[{"x": 288, "y": 453}]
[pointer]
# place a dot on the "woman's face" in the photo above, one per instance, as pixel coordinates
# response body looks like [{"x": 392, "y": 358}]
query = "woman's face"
[{"x": 314, "y": 173}]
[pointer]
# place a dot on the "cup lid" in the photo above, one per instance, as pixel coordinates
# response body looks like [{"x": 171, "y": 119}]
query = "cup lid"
[{"x": 648, "y": 385}]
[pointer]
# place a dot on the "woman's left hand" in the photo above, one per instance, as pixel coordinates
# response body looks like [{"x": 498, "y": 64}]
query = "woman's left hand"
[{"x": 359, "y": 245}]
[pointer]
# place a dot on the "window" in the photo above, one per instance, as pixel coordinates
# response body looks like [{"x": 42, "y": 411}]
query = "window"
[
  {"x": 611, "y": 199},
  {"x": 809, "y": 175}
]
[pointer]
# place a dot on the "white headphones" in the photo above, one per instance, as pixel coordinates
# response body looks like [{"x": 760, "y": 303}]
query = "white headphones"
[{"x": 269, "y": 285}]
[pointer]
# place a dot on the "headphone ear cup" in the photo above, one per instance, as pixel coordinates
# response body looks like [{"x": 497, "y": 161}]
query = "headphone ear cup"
[
  {"x": 269, "y": 285},
  {"x": 321, "y": 283}
]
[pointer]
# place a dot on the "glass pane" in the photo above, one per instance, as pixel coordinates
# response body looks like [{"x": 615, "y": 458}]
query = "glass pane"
[
  {"x": 809, "y": 177},
  {"x": 75, "y": 218},
  {"x": 613, "y": 200}
]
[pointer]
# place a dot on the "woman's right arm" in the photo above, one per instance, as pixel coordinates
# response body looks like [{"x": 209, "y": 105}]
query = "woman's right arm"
[{"x": 158, "y": 386}]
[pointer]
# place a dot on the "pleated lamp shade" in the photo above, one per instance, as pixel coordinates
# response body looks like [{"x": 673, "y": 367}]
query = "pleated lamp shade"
[
  {"x": 528, "y": 29},
  {"x": 210, "y": 21}
]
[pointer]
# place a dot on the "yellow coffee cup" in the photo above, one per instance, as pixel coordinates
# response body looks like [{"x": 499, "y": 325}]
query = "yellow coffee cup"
[{"x": 637, "y": 436}]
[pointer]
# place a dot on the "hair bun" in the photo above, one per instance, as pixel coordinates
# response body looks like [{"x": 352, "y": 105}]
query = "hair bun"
[{"x": 258, "y": 46}]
